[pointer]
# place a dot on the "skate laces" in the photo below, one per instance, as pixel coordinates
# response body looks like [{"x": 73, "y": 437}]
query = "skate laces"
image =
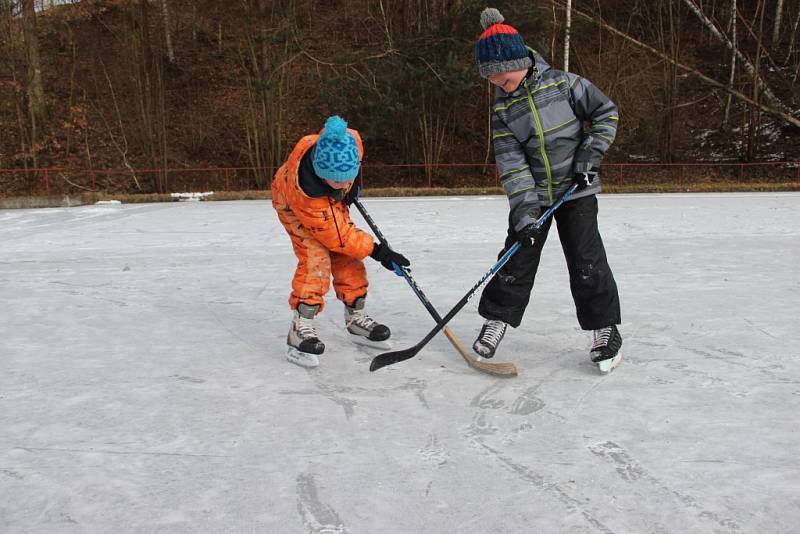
[
  {"x": 493, "y": 332},
  {"x": 359, "y": 318},
  {"x": 304, "y": 327},
  {"x": 601, "y": 337}
]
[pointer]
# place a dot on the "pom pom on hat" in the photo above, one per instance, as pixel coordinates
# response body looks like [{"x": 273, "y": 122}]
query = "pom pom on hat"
[
  {"x": 491, "y": 16},
  {"x": 500, "y": 48},
  {"x": 336, "y": 154}
]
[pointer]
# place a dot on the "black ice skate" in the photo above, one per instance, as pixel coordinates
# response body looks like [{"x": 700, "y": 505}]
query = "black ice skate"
[
  {"x": 489, "y": 338},
  {"x": 606, "y": 346},
  {"x": 363, "y": 329},
  {"x": 303, "y": 344}
]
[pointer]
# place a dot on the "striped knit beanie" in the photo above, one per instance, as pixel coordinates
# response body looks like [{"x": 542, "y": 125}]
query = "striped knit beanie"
[
  {"x": 336, "y": 154},
  {"x": 500, "y": 47}
]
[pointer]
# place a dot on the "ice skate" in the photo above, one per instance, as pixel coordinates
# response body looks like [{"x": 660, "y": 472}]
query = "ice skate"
[
  {"x": 303, "y": 345},
  {"x": 606, "y": 345},
  {"x": 363, "y": 329},
  {"x": 489, "y": 338}
]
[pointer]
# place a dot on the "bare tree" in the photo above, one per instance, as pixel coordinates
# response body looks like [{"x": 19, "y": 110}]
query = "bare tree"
[
  {"x": 779, "y": 112},
  {"x": 746, "y": 64},
  {"x": 732, "y": 77},
  {"x": 167, "y": 30},
  {"x": 776, "y": 27},
  {"x": 265, "y": 78},
  {"x": 567, "y": 30},
  {"x": 35, "y": 89}
]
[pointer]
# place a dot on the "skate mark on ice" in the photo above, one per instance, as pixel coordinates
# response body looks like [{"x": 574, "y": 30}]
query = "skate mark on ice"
[
  {"x": 433, "y": 452},
  {"x": 253, "y": 347},
  {"x": 630, "y": 470},
  {"x": 527, "y": 403},
  {"x": 484, "y": 399},
  {"x": 317, "y": 517},
  {"x": 626, "y": 467},
  {"x": 189, "y": 379},
  {"x": 418, "y": 386},
  {"x": 755, "y": 327},
  {"x": 480, "y": 427},
  {"x": 332, "y": 393},
  {"x": 538, "y": 481},
  {"x": 11, "y": 473}
]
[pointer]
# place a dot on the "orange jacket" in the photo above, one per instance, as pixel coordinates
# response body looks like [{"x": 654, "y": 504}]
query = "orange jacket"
[{"x": 327, "y": 219}]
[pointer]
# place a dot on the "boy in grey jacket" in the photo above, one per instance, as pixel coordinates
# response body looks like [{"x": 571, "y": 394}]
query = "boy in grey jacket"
[{"x": 541, "y": 147}]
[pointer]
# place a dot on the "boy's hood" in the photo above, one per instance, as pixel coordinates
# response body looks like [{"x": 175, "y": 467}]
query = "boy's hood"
[{"x": 539, "y": 66}]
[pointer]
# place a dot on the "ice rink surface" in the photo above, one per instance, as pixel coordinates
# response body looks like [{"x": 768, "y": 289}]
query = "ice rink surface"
[{"x": 143, "y": 385}]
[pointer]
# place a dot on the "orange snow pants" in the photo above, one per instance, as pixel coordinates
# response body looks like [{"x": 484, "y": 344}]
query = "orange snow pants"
[{"x": 316, "y": 264}]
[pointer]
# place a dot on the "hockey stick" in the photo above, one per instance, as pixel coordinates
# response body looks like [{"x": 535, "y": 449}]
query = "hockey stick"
[
  {"x": 388, "y": 358},
  {"x": 492, "y": 368}
]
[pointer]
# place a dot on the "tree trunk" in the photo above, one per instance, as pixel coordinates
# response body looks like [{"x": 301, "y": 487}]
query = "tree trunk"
[
  {"x": 779, "y": 112},
  {"x": 167, "y": 30},
  {"x": 755, "y": 113},
  {"x": 732, "y": 77},
  {"x": 36, "y": 104},
  {"x": 748, "y": 67},
  {"x": 567, "y": 30},
  {"x": 776, "y": 28},
  {"x": 792, "y": 40}
]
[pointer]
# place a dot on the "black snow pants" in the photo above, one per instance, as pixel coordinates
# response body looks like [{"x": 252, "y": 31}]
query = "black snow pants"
[{"x": 591, "y": 280}]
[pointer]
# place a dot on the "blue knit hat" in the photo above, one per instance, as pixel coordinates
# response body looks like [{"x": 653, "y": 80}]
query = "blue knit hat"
[
  {"x": 336, "y": 155},
  {"x": 500, "y": 48}
]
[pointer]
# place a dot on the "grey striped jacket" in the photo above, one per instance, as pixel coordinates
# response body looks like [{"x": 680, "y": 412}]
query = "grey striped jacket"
[{"x": 540, "y": 141}]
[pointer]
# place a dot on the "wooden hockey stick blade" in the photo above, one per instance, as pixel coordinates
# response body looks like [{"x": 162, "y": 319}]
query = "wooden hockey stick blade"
[{"x": 501, "y": 369}]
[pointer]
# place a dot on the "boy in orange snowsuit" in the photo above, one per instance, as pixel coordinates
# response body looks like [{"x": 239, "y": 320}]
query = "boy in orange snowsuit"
[{"x": 311, "y": 193}]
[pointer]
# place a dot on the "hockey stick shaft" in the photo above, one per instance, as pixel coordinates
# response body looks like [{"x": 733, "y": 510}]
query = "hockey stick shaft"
[
  {"x": 388, "y": 358},
  {"x": 400, "y": 270},
  {"x": 498, "y": 369}
]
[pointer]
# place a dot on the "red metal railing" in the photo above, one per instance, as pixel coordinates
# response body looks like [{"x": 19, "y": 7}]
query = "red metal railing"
[{"x": 49, "y": 181}]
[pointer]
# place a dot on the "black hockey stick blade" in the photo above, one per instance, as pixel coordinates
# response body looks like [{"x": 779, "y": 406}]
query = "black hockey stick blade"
[
  {"x": 501, "y": 369},
  {"x": 388, "y": 358}
]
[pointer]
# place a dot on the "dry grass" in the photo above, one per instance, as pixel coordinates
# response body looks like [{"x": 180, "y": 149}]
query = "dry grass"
[
  {"x": 91, "y": 198},
  {"x": 427, "y": 192}
]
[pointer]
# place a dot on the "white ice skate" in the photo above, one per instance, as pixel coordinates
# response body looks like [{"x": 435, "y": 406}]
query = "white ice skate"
[
  {"x": 303, "y": 345},
  {"x": 606, "y": 350},
  {"x": 363, "y": 329}
]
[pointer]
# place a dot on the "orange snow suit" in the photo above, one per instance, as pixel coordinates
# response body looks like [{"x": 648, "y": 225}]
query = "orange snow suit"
[{"x": 325, "y": 240}]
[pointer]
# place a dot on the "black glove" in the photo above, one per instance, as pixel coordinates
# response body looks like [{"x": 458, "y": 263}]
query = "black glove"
[
  {"x": 585, "y": 179},
  {"x": 529, "y": 235},
  {"x": 352, "y": 194},
  {"x": 382, "y": 253}
]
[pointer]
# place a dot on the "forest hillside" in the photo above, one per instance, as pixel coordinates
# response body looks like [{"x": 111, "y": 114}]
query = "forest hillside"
[{"x": 105, "y": 94}]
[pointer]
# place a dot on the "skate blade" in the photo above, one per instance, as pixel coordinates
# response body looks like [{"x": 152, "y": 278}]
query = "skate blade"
[
  {"x": 361, "y": 340},
  {"x": 303, "y": 359},
  {"x": 606, "y": 366}
]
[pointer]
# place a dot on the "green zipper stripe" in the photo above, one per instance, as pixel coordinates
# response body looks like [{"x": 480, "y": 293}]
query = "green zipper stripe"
[
  {"x": 542, "y": 148},
  {"x": 498, "y": 136}
]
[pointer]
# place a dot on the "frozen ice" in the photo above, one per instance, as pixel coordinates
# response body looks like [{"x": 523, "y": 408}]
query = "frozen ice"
[{"x": 144, "y": 385}]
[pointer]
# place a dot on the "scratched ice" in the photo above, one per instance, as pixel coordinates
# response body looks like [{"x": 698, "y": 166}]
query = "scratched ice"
[{"x": 143, "y": 386}]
